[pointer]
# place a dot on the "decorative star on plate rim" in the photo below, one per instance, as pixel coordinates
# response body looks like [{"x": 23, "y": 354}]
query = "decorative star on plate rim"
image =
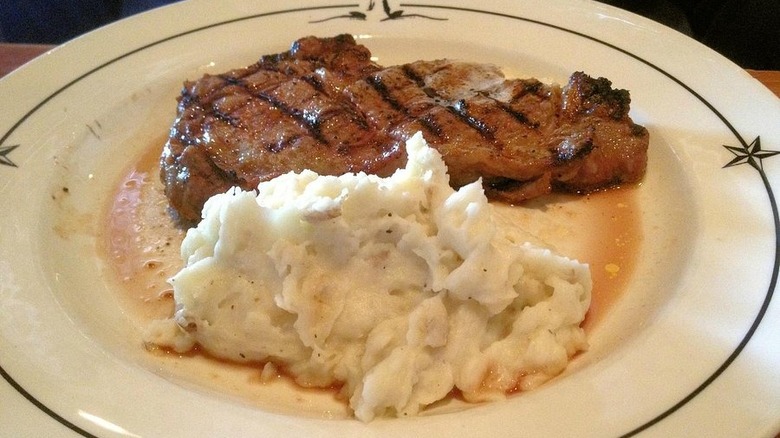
[
  {"x": 4, "y": 151},
  {"x": 749, "y": 154}
]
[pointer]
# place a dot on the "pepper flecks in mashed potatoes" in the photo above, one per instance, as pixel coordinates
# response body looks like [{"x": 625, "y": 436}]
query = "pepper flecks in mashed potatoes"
[{"x": 399, "y": 289}]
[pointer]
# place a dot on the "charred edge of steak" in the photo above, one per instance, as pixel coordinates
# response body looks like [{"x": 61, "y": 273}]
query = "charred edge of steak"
[
  {"x": 196, "y": 179},
  {"x": 587, "y": 95},
  {"x": 513, "y": 191}
]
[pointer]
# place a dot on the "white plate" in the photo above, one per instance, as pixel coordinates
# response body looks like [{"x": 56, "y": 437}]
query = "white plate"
[{"x": 692, "y": 348}]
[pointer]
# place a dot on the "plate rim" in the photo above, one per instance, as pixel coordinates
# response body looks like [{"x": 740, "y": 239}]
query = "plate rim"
[{"x": 747, "y": 153}]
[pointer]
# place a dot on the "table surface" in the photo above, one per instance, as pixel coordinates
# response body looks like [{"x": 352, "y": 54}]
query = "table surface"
[{"x": 14, "y": 55}]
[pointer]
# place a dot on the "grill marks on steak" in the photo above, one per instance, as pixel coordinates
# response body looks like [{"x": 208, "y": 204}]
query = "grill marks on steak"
[
  {"x": 324, "y": 105},
  {"x": 255, "y": 123}
]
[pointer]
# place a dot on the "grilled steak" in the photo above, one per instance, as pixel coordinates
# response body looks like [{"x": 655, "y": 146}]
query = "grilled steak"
[{"x": 324, "y": 105}]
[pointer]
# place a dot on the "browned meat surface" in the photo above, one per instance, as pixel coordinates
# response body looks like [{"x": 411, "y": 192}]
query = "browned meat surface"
[{"x": 325, "y": 106}]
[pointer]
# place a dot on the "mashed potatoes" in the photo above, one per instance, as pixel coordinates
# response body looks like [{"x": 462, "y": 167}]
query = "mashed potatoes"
[{"x": 399, "y": 289}]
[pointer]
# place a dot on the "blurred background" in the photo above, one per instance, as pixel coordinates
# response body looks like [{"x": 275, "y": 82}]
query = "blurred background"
[{"x": 745, "y": 31}]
